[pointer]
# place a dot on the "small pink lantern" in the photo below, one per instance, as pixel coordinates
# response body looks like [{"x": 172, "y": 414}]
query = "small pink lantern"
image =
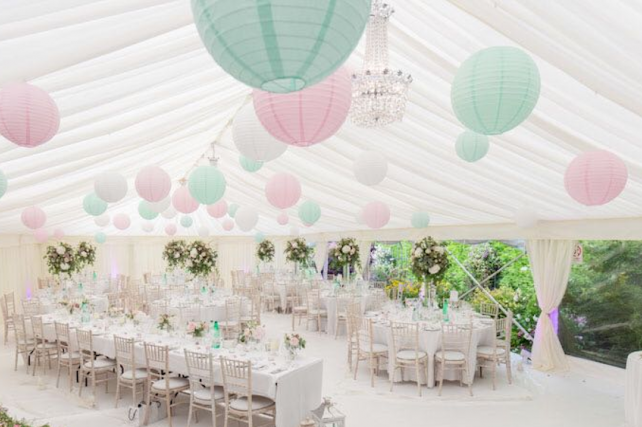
[
  {"x": 33, "y": 217},
  {"x": 41, "y": 235},
  {"x": 308, "y": 116},
  {"x": 28, "y": 115},
  {"x": 183, "y": 200},
  {"x": 283, "y": 190},
  {"x": 228, "y": 224},
  {"x": 153, "y": 183},
  {"x": 122, "y": 221},
  {"x": 376, "y": 214},
  {"x": 596, "y": 177},
  {"x": 218, "y": 209},
  {"x": 58, "y": 233},
  {"x": 283, "y": 218},
  {"x": 170, "y": 229}
]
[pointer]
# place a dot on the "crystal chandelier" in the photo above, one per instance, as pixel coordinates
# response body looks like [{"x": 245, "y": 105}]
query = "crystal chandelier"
[{"x": 379, "y": 94}]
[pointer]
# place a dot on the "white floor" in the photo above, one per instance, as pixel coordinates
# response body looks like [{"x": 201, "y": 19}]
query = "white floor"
[{"x": 591, "y": 395}]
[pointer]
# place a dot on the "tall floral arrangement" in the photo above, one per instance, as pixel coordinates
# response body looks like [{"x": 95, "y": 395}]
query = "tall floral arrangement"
[
  {"x": 428, "y": 259},
  {"x": 201, "y": 259},
  {"x": 175, "y": 253},
  {"x": 85, "y": 255},
  {"x": 61, "y": 259},
  {"x": 346, "y": 253},
  {"x": 265, "y": 251},
  {"x": 298, "y": 251}
]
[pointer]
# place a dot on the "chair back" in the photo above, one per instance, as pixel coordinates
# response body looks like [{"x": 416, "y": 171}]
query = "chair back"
[
  {"x": 313, "y": 299},
  {"x": 125, "y": 354},
  {"x": 456, "y": 337},
  {"x": 31, "y": 307},
  {"x": 85, "y": 345},
  {"x": 233, "y": 310},
  {"x": 364, "y": 333},
  {"x": 157, "y": 360},
  {"x": 254, "y": 309},
  {"x": 489, "y": 309},
  {"x": 189, "y": 312},
  {"x": 200, "y": 368},
  {"x": 504, "y": 328},
  {"x": 237, "y": 379},
  {"x": 405, "y": 336},
  {"x": 38, "y": 329},
  {"x": 63, "y": 337},
  {"x": 22, "y": 337}
]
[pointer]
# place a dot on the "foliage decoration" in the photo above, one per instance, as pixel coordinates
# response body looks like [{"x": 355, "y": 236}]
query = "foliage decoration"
[
  {"x": 201, "y": 259},
  {"x": 61, "y": 259},
  {"x": 346, "y": 252},
  {"x": 85, "y": 255},
  {"x": 428, "y": 259},
  {"x": 298, "y": 251},
  {"x": 175, "y": 254},
  {"x": 265, "y": 251}
]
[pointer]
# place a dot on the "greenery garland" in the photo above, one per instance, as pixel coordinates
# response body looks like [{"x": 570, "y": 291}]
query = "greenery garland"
[
  {"x": 85, "y": 255},
  {"x": 61, "y": 259},
  {"x": 428, "y": 259},
  {"x": 265, "y": 251},
  {"x": 297, "y": 250},
  {"x": 175, "y": 254},
  {"x": 9, "y": 421},
  {"x": 346, "y": 252},
  {"x": 201, "y": 259}
]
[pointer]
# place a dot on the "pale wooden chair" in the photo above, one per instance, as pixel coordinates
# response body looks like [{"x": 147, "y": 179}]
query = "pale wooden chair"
[
  {"x": 240, "y": 404},
  {"x": 341, "y": 314},
  {"x": 67, "y": 358},
  {"x": 489, "y": 309},
  {"x": 296, "y": 297},
  {"x": 129, "y": 374},
  {"x": 366, "y": 349},
  {"x": 231, "y": 327},
  {"x": 95, "y": 369},
  {"x": 455, "y": 348},
  {"x": 43, "y": 348},
  {"x": 316, "y": 313},
  {"x": 270, "y": 297},
  {"x": 31, "y": 307},
  {"x": 406, "y": 351},
  {"x": 204, "y": 393},
  {"x": 253, "y": 304},
  {"x": 25, "y": 345},
  {"x": 354, "y": 317},
  {"x": 8, "y": 305},
  {"x": 490, "y": 356}
]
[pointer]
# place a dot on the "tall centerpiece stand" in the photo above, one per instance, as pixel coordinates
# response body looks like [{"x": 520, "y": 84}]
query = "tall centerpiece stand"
[
  {"x": 298, "y": 252},
  {"x": 429, "y": 262},
  {"x": 345, "y": 255}
]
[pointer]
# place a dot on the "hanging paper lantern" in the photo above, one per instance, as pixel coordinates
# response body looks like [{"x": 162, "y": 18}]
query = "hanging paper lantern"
[
  {"x": 100, "y": 237},
  {"x": 246, "y": 217},
  {"x": 420, "y": 219},
  {"x": 3, "y": 184},
  {"x": 207, "y": 184},
  {"x": 110, "y": 186},
  {"x": 471, "y": 146},
  {"x": 33, "y": 217},
  {"x": 309, "y": 212},
  {"x": 169, "y": 213},
  {"x": 148, "y": 227},
  {"x": 595, "y": 177},
  {"x": 183, "y": 200},
  {"x": 228, "y": 224},
  {"x": 231, "y": 210},
  {"x": 280, "y": 45},
  {"x": 145, "y": 210},
  {"x": 283, "y": 218},
  {"x": 259, "y": 237},
  {"x": 94, "y": 205},
  {"x": 495, "y": 90},
  {"x": 251, "y": 138},
  {"x": 161, "y": 206},
  {"x": 526, "y": 217},
  {"x": 41, "y": 235},
  {"x": 122, "y": 221},
  {"x": 283, "y": 190},
  {"x": 218, "y": 209},
  {"x": 370, "y": 168},
  {"x": 309, "y": 116},
  {"x": 102, "y": 220},
  {"x": 203, "y": 231},
  {"x": 170, "y": 229},
  {"x": 249, "y": 164},
  {"x": 153, "y": 183},
  {"x": 28, "y": 115},
  {"x": 58, "y": 233},
  {"x": 186, "y": 221},
  {"x": 376, "y": 214}
]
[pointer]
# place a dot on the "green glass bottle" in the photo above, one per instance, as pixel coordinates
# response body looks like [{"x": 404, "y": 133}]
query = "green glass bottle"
[{"x": 216, "y": 336}]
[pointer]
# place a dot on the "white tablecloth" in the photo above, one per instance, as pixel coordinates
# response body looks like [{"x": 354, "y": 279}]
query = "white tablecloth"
[{"x": 633, "y": 391}]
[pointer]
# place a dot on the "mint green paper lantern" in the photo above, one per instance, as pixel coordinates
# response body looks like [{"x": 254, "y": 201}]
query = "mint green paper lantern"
[
  {"x": 207, "y": 184},
  {"x": 420, "y": 219},
  {"x": 146, "y": 211},
  {"x": 231, "y": 210},
  {"x": 94, "y": 205},
  {"x": 100, "y": 237},
  {"x": 186, "y": 221},
  {"x": 471, "y": 146},
  {"x": 280, "y": 45},
  {"x": 495, "y": 90},
  {"x": 259, "y": 237},
  {"x": 309, "y": 212},
  {"x": 249, "y": 164},
  {"x": 3, "y": 184}
]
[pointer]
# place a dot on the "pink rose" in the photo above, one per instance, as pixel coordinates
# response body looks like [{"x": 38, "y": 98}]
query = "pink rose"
[{"x": 294, "y": 342}]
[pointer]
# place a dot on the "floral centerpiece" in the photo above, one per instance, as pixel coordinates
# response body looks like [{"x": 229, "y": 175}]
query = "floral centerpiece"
[
  {"x": 428, "y": 259},
  {"x": 265, "y": 251},
  {"x": 197, "y": 329},
  {"x": 345, "y": 254},
  {"x": 165, "y": 322},
  {"x": 85, "y": 255},
  {"x": 61, "y": 259},
  {"x": 293, "y": 343},
  {"x": 298, "y": 251},
  {"x": 201, "y": 259},
  {"x": 253, "y": 332},
  {"x": 137, "y": 317},
  {"x": 175, "y": 254}
]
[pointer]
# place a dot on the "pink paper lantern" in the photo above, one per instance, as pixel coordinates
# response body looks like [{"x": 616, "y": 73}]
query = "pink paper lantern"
[
  {"x": 170, "y": 229},
  {"x": 283, "y": 190},
  {"x": 28, "y": 115},
  {"x": 228, "y": 224},
  {"x": 283, "y": 218},
  {"x": 33, "y": 217},
  {"x": 58, "y": 233},
  {"x": 41, "y": 235},
  {"x": 308, "y": 116},
  {"x": 121, "y": 221},
  {"x": 183, "y": 200},
  {"x": 596, "y": 177},
  {"x": 376, "y": 214},
  {"x": 153, "y": 183},
  {"x": 218, "y": 209}
]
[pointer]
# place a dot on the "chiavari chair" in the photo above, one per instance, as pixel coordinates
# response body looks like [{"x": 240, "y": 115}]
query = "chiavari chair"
[
  {"x": 96, "y": 369},
  {"x": 8, "y": 305},
  {"x": 366, "y": 349},
  {"x": 204, "y": 393},
  {"x": 43, "y": 348},
  {"x": 25, "y": 345},
  {"x": 129, "y": 374},
  {"x": 455, "y": 349},
  {"x": 406, "y": 351},
  {"x": 490, "y": 356},
  {"x": 67, "y": 358}
]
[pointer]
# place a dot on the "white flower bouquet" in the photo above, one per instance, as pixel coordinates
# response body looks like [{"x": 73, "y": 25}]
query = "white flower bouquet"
[
  {"x": 85, "y": 255},
  {"x": 175, "y": 254},
  {"x": 428, "y": 259},
  {"x": 61, "y": 259},
  {"x": 298, "y": 251},
  {"x": 201, "y": 259},
  {"x": 346, "y": 252},
  {"x": 265, "y": 251}
]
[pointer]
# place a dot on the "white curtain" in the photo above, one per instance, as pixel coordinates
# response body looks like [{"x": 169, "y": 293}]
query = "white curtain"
[
  {"x": 364, "y": 257},
  {"x": 235, "y": 256},
  {"x": 20, "y": 266},
  {"x": 551, "y": 266},
  {"x": 320, "y": 254}
]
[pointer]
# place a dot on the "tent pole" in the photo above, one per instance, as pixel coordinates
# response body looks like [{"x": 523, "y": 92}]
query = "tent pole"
[{"x": 494, "y": 274}]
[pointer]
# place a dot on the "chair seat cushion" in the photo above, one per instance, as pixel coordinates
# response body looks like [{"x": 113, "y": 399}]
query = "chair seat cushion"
[
  {"x": 411, "y": 355},
  {"x": 300, "y": 308},
  {"x": 317, "y": 312},
  {"x": 487, "y": 350},
  {"x": 258, "y": 402},
  {"x": 376, "y": 348},
  {"x": 72, "y": 355},
  {"x": 174, "y": 384},
  {"x": 451, "y": 355},
  {"x": 47, "y": 346},
  {"x": 205, "y": 394},
  {"x": 101, "y": 363},
  {"x": 139, "y": 374}
]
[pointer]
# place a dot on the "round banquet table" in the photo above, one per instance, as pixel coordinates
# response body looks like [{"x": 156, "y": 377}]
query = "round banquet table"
[{"x": 633, "y": 391}]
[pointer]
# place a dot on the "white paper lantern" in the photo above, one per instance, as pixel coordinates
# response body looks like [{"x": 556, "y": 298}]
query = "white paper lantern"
[
  {"x": 110, "y": 186},
  {"x": 526, "y": 217},
  {"x": 169, "y": 213},
  {"x": 246, "y": 217},
  {"x": 251, "y": 138},
  {"x": 102, "y": 220},
  {"x": 370, "y": 168},
  {"x": 148, "y": 227},
  {"x": 203, "y": 231},
  {"x": 160, "y": 206}
]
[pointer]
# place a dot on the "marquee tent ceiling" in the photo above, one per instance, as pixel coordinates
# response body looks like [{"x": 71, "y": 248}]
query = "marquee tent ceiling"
[{"x": 135, "y": 86}]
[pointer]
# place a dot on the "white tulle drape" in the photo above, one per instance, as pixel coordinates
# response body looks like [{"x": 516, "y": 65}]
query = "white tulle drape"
[
  {"x": 320, "y": 254},
  {"x": 364, "y": 256},
  {"x": 551, "y": 266}
]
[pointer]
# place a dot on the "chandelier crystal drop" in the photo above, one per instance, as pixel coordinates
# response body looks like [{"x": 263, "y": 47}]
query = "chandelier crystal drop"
[{"x": 379, "y": 94}]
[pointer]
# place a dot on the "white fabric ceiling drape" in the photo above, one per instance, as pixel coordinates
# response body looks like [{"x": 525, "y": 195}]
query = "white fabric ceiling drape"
[
  {"x": 364, "y": 256},
  {"x": 320, "y": 254},
  {"x": 551, "y": 266}
]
